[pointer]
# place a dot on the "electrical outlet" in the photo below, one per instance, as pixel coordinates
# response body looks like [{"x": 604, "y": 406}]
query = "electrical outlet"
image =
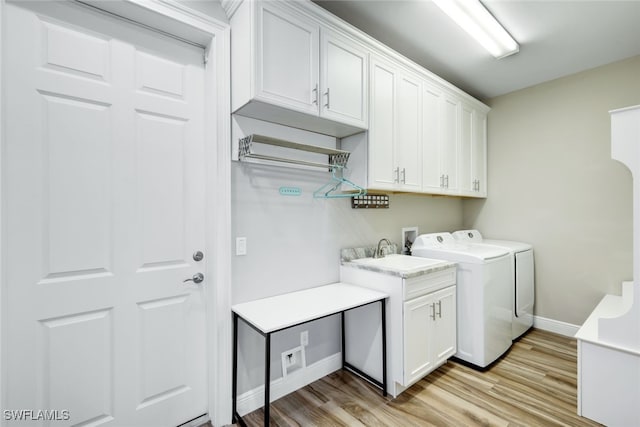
[
  {"x": 304, "y": 338},
  {"x": 241, "y": 245}
]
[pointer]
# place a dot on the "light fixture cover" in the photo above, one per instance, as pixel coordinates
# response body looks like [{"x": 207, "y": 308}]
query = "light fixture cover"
[{"x": 476, "y": 20}]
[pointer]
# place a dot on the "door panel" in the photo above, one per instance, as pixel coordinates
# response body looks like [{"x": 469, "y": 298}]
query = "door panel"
[
  {"x": 343, "y": 79},
  {"x": 382, "y": 127},
  {"x": 103, "y": 171},
  {"x": 288, "y": 56},
  {"x": 409, "y": 128}
]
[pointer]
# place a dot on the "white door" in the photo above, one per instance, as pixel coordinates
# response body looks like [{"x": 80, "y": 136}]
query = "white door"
[
  {"x": 445, "y": 331},
  {"x": 383, "y": 173},
  {"x": 343, "y": 80},
  {"x": 103, "y": 205},
  {"x": 409, "y": 132},
  {"x": 467, "y": 132},
  {"x": 419, "y": 324},
  {"x": 432, "y": 180},
  {"x": 450, "y": 143}
]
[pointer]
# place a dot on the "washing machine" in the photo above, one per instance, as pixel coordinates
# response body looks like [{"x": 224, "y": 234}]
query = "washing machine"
[
  {"x": 522, "y": 274},
  {"x": 483, "y": 295}
]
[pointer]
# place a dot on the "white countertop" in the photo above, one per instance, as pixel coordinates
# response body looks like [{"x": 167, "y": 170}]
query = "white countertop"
[{"x": 282, "y": 311}]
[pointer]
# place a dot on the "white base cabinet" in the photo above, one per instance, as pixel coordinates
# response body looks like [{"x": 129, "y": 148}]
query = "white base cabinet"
[
  {"x": 421, "y": 324},
  {"x": 429, "y": 333}
]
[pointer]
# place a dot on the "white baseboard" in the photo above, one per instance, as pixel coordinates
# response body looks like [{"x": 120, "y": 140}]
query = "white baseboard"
[
  {"x": 254, "y": 399},
  {"x": 562, "y": 328}
]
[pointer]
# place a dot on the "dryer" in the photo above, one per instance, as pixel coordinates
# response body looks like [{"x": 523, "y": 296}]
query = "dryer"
[
  {"x": 522, "y": 277},
  {"x": 483, "y": 295}
]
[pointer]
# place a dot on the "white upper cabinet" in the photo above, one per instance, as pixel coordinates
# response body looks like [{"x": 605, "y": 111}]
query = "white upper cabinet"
[
  {"x": 395, "y": 140},
  {"x": 287, "y": 58},
  {"x": 343, "y": 82},
  {"x": 382, "y": 169},
  {"x": 295, "y": 64},
  {"x": 440, "y": 137},
  {"x": 289, "y": 69},
  {"x": 449, "y": 143},
  {"x": 473, "y": 152},
  {"x": 408, "y": 132}
]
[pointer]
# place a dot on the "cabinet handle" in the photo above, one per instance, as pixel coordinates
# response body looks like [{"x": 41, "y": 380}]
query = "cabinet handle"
[
  {"x": 327, "y": 104},
  {"x": 439, "y": 309},
  {"x": 447, "y": 185},
  {"x": 315, "y": 91},
  {"x": 397, "y": 172},
  {"x": 441, "y": 181},
  {"x": 404, "y": 176},
  {"x": 477, "y": 185},
  {"x": 433, "y": 311}
]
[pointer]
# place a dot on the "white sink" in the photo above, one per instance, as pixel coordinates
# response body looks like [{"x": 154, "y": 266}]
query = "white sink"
[{"x": 401, "y": 263}]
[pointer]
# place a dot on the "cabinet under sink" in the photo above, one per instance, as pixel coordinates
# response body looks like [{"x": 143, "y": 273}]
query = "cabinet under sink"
[{"x": 421, "y": 317}]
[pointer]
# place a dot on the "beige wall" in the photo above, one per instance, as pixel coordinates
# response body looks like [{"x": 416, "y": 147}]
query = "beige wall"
[{"x": 553, "y": 183}]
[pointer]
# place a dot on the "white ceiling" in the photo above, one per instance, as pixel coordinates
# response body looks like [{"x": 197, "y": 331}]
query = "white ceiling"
[{"x": 556, "y": 38}]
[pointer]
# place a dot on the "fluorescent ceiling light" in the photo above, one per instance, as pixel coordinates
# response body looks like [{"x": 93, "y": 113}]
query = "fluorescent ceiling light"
[{"x": 476, "y": 20}]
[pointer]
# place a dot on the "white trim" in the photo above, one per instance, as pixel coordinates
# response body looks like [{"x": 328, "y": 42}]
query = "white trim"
[
  {"x": 230, "y": 6},
  {"x": 218, "y": 290},
  {"x": 254, "y": 399},
  {"x": 551, "y": 325},
  {"x": 3, "y": 403},
  {"x": 218, "y": 203}
]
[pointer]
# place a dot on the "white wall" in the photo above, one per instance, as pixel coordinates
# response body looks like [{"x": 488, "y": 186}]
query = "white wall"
[
  {"x": 552, "y": 183},
  {"x": 294, "y": 243}
]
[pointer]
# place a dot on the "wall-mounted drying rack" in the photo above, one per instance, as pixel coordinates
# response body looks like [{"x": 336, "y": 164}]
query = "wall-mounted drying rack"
[
  {"x": 335, "y": 158},
  {"x": 336, "y": 161}
]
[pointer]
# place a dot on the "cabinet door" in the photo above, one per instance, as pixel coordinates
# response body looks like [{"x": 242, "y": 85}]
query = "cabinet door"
[
  {"x": 466, "y": 179},
  {"x": 409, "y": 132},
  {"x": 432, "y": 176},
  {"x": 382, "y": 169},
  {"x": 287, "y": 50},
  {"x": 419, "y": 321},
  {"x": 479, "y": 153},
  {"x": 343, "y": 79},
  {"x": 444, "y": 334},
  {"x": 449, "y": 143}
]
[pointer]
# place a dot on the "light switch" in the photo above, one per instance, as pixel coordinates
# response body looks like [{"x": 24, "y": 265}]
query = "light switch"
[{"x": 241, "y": 245}]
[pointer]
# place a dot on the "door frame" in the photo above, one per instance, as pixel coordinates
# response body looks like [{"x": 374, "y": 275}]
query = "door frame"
[{"x": 215, "y": 35}]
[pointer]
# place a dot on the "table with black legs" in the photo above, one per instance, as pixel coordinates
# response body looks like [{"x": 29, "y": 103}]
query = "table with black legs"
[{"x": 274, "y": 314}]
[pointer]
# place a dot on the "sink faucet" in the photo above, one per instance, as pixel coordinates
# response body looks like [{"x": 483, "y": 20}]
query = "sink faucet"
[{"x": 379, "y": 252}]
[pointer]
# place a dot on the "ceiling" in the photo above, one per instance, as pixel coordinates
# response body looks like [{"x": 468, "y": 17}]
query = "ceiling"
[{"x": 556, "y": 38}]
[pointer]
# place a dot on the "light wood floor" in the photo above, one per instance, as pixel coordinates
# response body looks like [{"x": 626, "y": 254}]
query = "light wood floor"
[{"x": 534, "y": 384}]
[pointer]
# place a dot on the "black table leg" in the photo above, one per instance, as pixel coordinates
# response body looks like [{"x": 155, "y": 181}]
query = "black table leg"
[
  {"x": 344, "y": 348},
  {"x": 234, "y": 389},
  {"x": 383, "y": 314},
  {"x": 267, "y": 377}
]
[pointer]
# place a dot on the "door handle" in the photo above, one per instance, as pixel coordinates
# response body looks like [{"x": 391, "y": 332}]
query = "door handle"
[{"x": 197, "y": 278}]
